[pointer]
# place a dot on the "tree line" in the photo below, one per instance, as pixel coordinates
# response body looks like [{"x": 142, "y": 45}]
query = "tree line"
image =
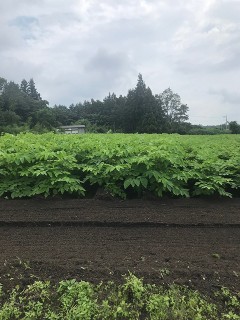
[{"x": 23, "y": 109}]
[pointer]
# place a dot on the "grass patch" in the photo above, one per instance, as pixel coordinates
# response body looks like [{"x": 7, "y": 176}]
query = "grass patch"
[{"x": 133, "y": 299}]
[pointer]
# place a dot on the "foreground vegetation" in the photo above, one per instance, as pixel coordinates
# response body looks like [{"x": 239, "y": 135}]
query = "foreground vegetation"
[
  {"x": 124, "y": 165},
  {"x": 131, "y": 300}
]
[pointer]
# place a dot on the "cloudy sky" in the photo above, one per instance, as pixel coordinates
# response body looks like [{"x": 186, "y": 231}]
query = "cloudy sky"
[{"x": 81, "y": 49}]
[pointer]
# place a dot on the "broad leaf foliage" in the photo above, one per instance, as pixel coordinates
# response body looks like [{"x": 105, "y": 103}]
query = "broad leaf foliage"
[{"x": 123, "y": 165}]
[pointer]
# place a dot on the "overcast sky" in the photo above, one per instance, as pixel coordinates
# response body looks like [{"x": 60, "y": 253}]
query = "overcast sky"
[{"x": 81, "y": 49}]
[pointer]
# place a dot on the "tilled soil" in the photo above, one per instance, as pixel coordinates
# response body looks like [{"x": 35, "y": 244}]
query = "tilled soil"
[{"x": 195, "y": 242}]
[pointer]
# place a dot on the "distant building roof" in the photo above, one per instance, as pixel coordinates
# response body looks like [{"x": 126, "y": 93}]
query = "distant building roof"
[{"x": 73, "y": 126}]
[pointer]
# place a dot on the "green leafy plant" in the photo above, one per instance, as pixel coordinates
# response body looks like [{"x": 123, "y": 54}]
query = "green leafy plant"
[
  {"x": 131, "y": 300},
  {"x": 179, "y": 166}
]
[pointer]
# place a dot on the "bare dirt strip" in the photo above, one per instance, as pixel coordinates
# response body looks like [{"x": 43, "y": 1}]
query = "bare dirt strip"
[{"x": 195, "y": 242}]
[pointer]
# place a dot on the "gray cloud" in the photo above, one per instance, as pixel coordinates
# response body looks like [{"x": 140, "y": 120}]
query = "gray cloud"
[
  {"x": 227, "y": 96},
  {"x": 106, "y": 62},
  {"x": 27, "y": 26},
  {"x": 225, "y": 11},
  {"x": 85, "y": 48}
]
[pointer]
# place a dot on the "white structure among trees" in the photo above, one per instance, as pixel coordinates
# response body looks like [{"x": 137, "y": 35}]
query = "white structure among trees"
[{"x": 73, "y": 129}]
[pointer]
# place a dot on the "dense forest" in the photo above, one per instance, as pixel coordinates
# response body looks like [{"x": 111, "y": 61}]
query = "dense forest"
[{"x": 22, "y": 109}]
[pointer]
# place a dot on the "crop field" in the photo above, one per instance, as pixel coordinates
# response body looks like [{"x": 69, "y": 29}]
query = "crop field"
[
  {"x": 123, "y": 165},
  {"x": 185, "y": 250},
  {"x": 156, "y": 215}
]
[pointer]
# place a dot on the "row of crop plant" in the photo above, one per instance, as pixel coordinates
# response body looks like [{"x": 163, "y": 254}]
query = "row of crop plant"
[{"x": 124, "y": 165}]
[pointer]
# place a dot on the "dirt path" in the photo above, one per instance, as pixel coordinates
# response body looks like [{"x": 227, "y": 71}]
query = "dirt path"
[{"x": 188, "y": 241}]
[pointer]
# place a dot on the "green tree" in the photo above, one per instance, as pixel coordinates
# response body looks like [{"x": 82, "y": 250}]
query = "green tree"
[
  {"x": 44, "y": 120},
  {"x": 109, "y": 111},
  {"x": 3, "y": 82},
  {"x": 174, "y": 111},
  {"x": 62, "y": 115},
  {"x": 24, "y": 86},
  {"x": 32, "y": 91},
  {"x": 119, "y": 116},
  {"x": 11, "y": 96},
  {"x": 136, "y": 105},
  {"x": 234, "y": 127},
  {"x": 16, "y": 107},
  {"x": 76, "y": 112},
  {"x": 142, "y": 111}
]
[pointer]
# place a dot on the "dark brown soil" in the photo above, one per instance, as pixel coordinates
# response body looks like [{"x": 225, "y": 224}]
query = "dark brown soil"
[{"x": 187, "y": 241}]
